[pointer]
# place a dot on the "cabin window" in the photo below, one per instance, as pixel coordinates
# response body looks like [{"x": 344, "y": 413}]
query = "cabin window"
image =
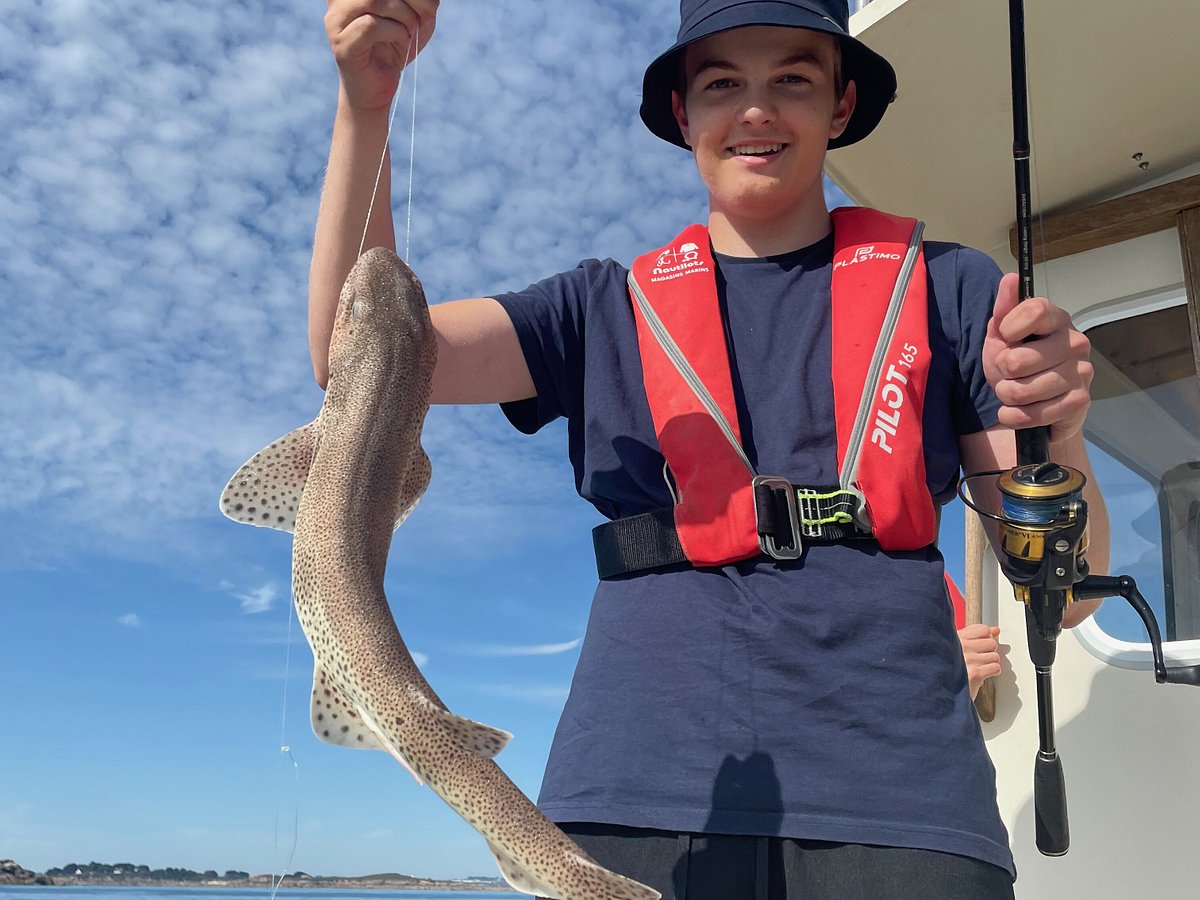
[{"x": 1144, "y": 441}]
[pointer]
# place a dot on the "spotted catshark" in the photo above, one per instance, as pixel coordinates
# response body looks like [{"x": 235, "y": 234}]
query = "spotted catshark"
[{"x": 342, "y": 484}]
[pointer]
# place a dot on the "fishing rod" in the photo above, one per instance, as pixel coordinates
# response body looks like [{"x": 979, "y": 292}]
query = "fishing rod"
[
  {"x": 1043, "y": 521},
  {"x": 1030, "y": 494}
]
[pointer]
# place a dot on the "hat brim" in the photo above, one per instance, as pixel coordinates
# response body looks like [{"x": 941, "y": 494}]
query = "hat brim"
[{"x": 873, "y": 76}]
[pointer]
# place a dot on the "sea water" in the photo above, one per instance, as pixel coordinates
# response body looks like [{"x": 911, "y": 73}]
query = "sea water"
[{"x": 41, "y": 892}]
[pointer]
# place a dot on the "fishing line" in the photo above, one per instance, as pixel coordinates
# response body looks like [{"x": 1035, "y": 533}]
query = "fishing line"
[
  {"x": 284, "y": 747},
  {"x": 410, "y": 57},
  {"x": 412, "y": 152}
]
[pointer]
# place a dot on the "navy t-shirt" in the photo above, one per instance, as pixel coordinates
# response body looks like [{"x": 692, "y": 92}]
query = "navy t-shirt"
[{"x": 824, "y": 698}]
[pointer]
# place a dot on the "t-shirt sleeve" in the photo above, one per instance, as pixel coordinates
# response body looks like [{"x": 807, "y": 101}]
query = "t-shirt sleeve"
[
  {"x": 976, "y": 406},
  {"x": 549, "y": 317}
]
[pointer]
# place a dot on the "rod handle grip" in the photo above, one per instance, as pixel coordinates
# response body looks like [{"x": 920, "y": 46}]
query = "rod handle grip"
[
  {"x": 1033, "y": 445},
  {"x": 1052, "y": 834}
]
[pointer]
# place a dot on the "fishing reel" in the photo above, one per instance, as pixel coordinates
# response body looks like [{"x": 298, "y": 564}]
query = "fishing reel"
[
  {"x": 1043, "y": 533},
  {"x": 1043, "y": 539}
]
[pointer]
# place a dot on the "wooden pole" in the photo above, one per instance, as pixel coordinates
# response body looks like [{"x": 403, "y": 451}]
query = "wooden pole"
[
  {"x": 976, "y": 545},
  {"x": 1188, "y": 223}
]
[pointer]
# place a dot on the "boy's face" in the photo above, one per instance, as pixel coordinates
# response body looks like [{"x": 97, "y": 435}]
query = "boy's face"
[{"x": 761, "y": 105}]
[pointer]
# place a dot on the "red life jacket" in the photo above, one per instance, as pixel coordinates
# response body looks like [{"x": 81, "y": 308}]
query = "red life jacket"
[
  {"x": 715, "y": 514},
  {"x": 958, "y": 602}
]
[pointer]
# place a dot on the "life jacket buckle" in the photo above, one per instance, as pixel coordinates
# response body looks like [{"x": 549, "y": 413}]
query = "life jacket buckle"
[{"x": 777, "y": 517}]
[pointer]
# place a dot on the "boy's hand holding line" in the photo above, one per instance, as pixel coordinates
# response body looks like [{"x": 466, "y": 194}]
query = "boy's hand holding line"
[{"x": 372, "y": 41}]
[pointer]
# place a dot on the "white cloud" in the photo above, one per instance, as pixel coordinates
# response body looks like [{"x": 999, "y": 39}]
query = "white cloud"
[
  {"x": 258, "y": 600},
  {"x": 164, "y": 170},
  {"x": 522, "y": 649},
  {"x": 551, "y": 695},
  {"x": 130, "y": 620}
]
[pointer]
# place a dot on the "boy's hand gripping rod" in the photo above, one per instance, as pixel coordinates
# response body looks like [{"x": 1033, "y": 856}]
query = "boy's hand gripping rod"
[{"x": 1043, "y": 522}]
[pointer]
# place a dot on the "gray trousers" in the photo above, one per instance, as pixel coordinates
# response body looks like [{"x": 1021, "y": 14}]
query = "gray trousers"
[{"x": 735, "y": 867}]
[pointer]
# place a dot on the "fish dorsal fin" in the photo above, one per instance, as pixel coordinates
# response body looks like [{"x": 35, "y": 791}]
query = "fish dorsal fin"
[
  {"x": 521, "y": 877},
  {"x": 589, "y": 880},
  {"x": 617, "y": 886},
  {"x": 467, "y": 734},
  {"x": 337, "y": 720},
  {"x": 266, "y": 490}
]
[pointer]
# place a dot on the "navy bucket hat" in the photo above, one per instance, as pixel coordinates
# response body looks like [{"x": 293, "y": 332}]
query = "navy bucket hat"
[{"x": 873, "y": 76}]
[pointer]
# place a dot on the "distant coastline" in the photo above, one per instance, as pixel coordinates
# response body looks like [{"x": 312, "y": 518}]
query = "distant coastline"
[{"x": 128, "y": 875}]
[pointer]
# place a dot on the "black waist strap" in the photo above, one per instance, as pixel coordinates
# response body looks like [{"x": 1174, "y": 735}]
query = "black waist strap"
[{"x": 649, "y": 540}]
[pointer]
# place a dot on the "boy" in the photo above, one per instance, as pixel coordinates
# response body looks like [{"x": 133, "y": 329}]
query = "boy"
[{"x": 753, "y": 714}]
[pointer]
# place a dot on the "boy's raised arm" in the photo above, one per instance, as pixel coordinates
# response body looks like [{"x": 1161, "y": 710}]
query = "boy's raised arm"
[{"x": 479, "y": 357}]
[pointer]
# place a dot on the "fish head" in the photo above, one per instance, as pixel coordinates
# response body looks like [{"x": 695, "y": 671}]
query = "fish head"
[{"x": 381, "y": 331}]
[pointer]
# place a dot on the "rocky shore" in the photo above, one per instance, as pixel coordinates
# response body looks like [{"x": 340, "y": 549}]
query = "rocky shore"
[
  {"x": 128, "y": 875},
  {"x": 11, "y": 873}
]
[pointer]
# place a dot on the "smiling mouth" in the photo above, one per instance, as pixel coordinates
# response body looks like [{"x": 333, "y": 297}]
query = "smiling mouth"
[{"x": 757, "y": 150}]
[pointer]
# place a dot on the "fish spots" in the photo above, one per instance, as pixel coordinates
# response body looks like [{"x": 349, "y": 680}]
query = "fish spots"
[{"x": 365, "y": 672}]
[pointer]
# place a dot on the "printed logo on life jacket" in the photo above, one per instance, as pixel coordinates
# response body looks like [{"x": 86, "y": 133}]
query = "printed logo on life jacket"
[
  {"x": 865, "y": 254},
  {"x": 890, "y": 399},
  {"x": 674, "y": 262}
]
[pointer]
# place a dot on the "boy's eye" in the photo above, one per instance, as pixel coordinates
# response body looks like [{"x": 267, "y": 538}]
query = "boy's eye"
[
  {"x": 794, "y": 79},
  {"x": 720, "y": 83}
]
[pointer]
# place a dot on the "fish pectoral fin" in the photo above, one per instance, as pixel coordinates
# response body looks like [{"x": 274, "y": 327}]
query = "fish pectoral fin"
[
  {"x": 467, "y": 734},
  {"x": 338, "y": 720},
  {"x": 416, "y": 480},
  {"x": 266, "y": 490},
  {"x": 335, "y": 720}
]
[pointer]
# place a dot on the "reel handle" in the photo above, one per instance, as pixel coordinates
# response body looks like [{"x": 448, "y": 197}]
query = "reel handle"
[{"x": 1096, "y": 586}]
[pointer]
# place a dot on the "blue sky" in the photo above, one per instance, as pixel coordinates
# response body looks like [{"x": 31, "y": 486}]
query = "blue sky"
[{"x": 161, "y": 172}]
